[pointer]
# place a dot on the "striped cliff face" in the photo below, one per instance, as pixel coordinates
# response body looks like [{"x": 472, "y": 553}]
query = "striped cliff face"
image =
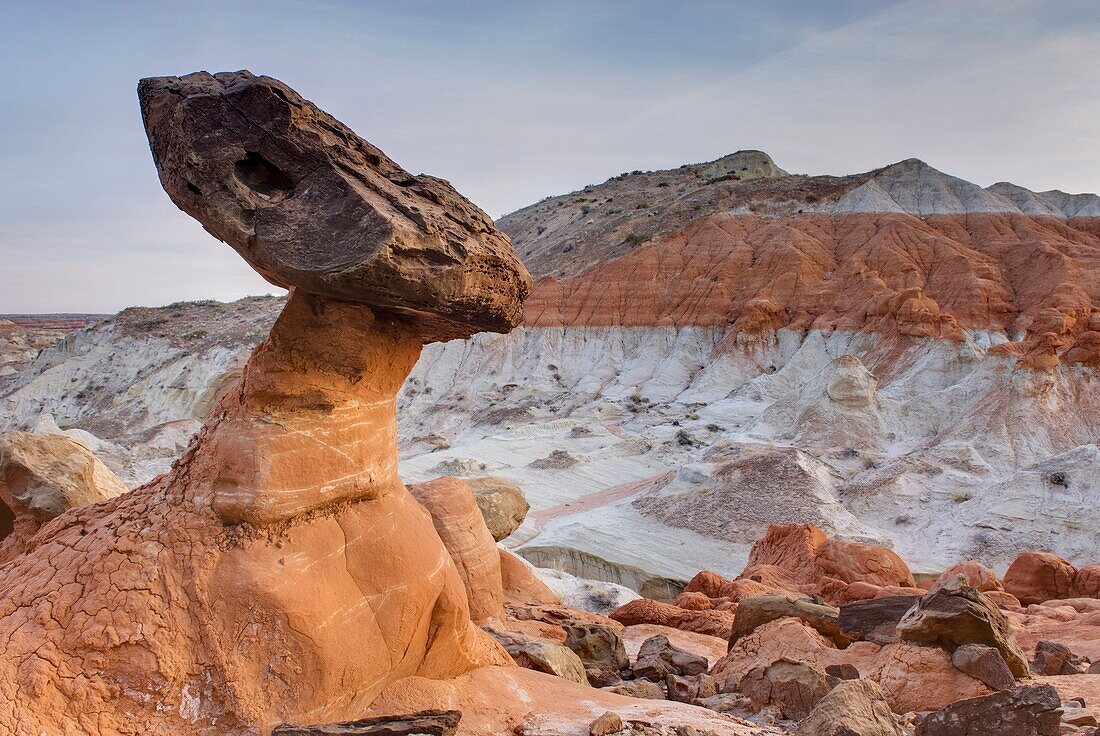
[{"x": 902, "y": 251}]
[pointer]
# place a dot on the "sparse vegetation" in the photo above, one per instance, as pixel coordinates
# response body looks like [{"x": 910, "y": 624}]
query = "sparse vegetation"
[
  {"x": 148, "y": 325},
  {"x": 1059, "y": 478},
  {"x": 634, "y": 239},
  {"x": 961, "y": 496}
]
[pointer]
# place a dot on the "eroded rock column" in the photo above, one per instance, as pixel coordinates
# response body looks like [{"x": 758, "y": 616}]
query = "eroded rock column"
[{"x": 280, "y": 572}]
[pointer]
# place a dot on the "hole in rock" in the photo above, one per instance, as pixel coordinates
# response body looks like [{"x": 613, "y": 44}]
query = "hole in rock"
[{"x": 263, "y": 177}]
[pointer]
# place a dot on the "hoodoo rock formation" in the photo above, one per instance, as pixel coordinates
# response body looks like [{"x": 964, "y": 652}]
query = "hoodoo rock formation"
[{"x": 280, "y": 572}]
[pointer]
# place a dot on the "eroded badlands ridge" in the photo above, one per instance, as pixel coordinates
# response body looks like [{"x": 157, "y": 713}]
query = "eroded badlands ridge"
[{"x": 280, "y": 571}]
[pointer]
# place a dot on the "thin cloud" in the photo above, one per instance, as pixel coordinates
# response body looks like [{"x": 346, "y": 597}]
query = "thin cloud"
[{"x": 516, "y": 101}]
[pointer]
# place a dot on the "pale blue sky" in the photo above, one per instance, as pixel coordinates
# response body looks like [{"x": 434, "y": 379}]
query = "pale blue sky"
[{"x": 515, "y": 101}]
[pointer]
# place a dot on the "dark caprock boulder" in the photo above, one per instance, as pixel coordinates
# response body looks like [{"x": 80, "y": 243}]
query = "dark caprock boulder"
[
  {"x": 309, "y": 204},
  {"x": 953, "y": 614},
  {"x": 875, "y": 619},
  {"x": 752, "y": 613},
  {"x": 1028, "y": 710}
]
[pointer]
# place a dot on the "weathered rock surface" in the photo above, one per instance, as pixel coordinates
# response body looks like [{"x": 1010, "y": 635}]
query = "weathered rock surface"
[
  {"x": 599, "y": 646},
  {"x": 801, "y": 557},
  {"x": 257, "y": 164},
  {"x": 607, "y": 724},
  {"x": 1028, "y": 710},
  {"x": 520, "y": 584},
  {"x": 955, "y": 614},
  {"x": 643, "y": 688},
  {"x": 850, "y": 383},
  {"x": 689, "y": 688},
  {"x": 502, "y": 503},
  {"x": 1052, "y": 658},
  {"x": 984, "y": 664},
  {"x": 658, "y": 658},
  {"x": 541, "y": 656},
  {"x": 280, "y": 572},
  {"x": 425, "y": 723},
  {"x": 645, "y": 611},
  {"x": 1034, "y": 577},
  {"x": 875, "y": 619},
  {"x": 41, "y": 476},
  {"x": 974, "y": 574},
  {"x": 458, "y": 521},
  {"x": 753, "y": 613},
  {"x": 851, "y": 708},
  {"x": 794, "y": 687},
  {"x": 1086, "y": 584}
]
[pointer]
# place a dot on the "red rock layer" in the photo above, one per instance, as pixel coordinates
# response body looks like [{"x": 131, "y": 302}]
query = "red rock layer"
[{"x": 931, "y": 276}]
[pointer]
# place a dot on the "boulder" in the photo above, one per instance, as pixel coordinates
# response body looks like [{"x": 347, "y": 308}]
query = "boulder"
[
  {"x": 843, "y": 671},
  {"x": 810, "y": 561},
  {"x": 955, "y": 614},
  {"x": 1086, "y": 584},
  {"x": 541, "y": 656},
  {"x": 603, "y": 677},
  {"x": 792, "y": 686},
  {"x": 42, "y": 476},
  {"x": 1027, "y": 710},
  {"x": 459, "y": 524},
  {"x": 502, "y": 504},
  {"x": 729, "y": 703},
  {"x": 782, "y": 638},
  {"x": 976, "y": 575},
  {"x": 643, "y": 688},
  {"x": 645, "y": 611},
  {"x": 693, "y": 602},
  {"x": 607, "y": 724},
  {"x": 424, "y": 723},
  {"x": 1034, "y": 577},
  {"x": 753, "y": 613},
  {"x": 1076, "y": 714},
  {"x": 599, "y": 646},
  {"x": 658, "y": 658},
  {"x": 984, "y": 664},
  {"x": 689, "y": 688},
  {"x": 851, "y": 708},
  {"x": 875, "y": 619},
  {"x": 706, "y": 582},
  {"x": 915, "y": 677},
  {"x": 311, "y": 205},
  {"x": 1052, "y": 658}
]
